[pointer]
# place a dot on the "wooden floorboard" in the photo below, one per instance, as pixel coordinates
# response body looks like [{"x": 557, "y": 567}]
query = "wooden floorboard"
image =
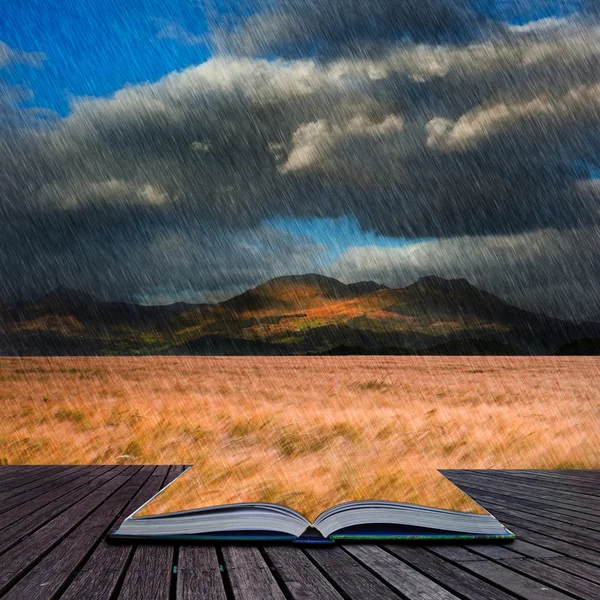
[
  {"x": 349, "y": 576},
  {"x": 101, "y": 575},
  {"x": 34, "y": 492},
  {"x": 247, "y": 574},
  {"x": 403, "y": 578},
  {"x": 54, "y": 522},
  {"x": 448, "y": 575},
  {"x": 588, "y": 504},
  {"x": 524, "y": 503},
  {"x": 199, "y": 574},
  {"x": 27, "y": 486},
  {"x": 17, "y": 524},
  {"x": 582, "y": 510}
]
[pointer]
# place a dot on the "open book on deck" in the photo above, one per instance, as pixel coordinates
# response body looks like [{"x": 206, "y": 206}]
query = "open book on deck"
[{"x": 173, "y": 514}]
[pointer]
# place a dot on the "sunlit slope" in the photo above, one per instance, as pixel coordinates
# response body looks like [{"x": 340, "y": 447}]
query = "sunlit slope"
[
  {"x": 313, "y": 313},
  {"x": 297, "y": 314}
]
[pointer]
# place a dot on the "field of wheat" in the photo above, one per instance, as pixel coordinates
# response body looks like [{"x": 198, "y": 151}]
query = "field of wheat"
[{"x": 346, "y": 427}]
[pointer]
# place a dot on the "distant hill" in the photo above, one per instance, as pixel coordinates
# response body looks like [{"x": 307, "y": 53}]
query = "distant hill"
[
  {"x": 473, "y": 348},
  {"x": 297, "y": 314},
  {"x": 295, "y": 292},
  {"x": 582, "y": 347}
]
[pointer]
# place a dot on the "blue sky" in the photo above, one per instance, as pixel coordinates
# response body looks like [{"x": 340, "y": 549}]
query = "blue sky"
[
  {"x": 337, "y": 235},
  {"x": 95, "y": 47}
]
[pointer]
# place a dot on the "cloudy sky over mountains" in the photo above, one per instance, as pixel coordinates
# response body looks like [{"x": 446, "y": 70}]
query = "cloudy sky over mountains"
[{"x": 190, "y": 151}]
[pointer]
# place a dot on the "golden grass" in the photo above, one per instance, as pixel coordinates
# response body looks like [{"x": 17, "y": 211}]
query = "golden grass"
[{"x": 344, "y": 426}]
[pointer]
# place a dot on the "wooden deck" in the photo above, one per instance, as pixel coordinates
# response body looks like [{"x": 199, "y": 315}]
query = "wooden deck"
[{"x": 54, "y": 521}]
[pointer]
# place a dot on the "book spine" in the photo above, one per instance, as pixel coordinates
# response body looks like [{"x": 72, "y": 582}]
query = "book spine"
[{"x": 313, "y": 541}]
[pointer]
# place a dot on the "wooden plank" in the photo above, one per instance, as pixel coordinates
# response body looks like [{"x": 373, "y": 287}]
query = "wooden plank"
[
  {"x": 550, "y": 528},
  {"x": 403, "y": 578},
  {"x": 45, "y": 494},
  {"x": 529, "y": 491},
  {"x": 560, "y": 579},
  {"x": 160, "y": 558},
  {"x": 149, "y": 574},
  {"x": 199, "y": 574},
  {"x": 19, "y": 559},
  {"x": 36, "y": 514},
  {"x": 549, "y": 482},
  {"x": 546, "y": 519},
  {"x": 541, "y": 507},
  {"x": 458, "y": 581},
  {"x": 519, "y": 546},
  {"x": 298, "y": 575},
  {"x": 585, "y": 478},
  {"x": 101, "y": 574},
  {"x": 10, "y": 472},
  {"x": 525, "y": 483},
  {"x": 53, "y": 572},
  {"x": 349, "y": 575},
  {"x": 508, "y": 579},
  {"x": 459, "y": 554},
  {"x": 591, "y": 475},
  {"x": 516, "y": 497},
  {"x": 503, "y": 553},
  {"x": 27, "y": 472},
  {"x": 572, "y": 565},
  {"x": 248, "y": 575},
  {"x": 558, "y": 545},
  {"x": 73, "y": 558},
  {"x": 12, "y": 495},
  {"x": 20, "y": 494}
]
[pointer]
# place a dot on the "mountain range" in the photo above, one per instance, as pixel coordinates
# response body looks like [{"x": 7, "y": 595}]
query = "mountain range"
[{"x": 297, "y": 314}]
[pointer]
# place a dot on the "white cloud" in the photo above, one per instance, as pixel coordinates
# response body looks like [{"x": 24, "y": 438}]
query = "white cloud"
[
  {"x": 549, "y": 270},
  {"x": 314, "y": 144},
  {"x": 10, "y": 56},
  {"x": 115, "y": 192},
  {"x": 541, "y": 115},
  {"x": 415, "y": 139}
]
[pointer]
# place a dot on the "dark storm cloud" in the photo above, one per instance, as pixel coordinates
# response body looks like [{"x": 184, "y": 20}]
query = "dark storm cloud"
[
  {"x": 426, "y": 140},
  {"x": 548, "y": 270},
  {"x": 146, "y": 259},
  {"x": 297, "y": 28},
  {"x": 490, "y": 137}
]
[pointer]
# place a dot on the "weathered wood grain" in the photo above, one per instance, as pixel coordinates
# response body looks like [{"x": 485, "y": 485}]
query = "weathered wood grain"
[
  {"x": 402, "y": 577},
  {"x": 349, "y": 575},
  {"x": 298, "y": 575},
  {"x": 249, "y": 575},
  {"x": 199, "y": 574},
  {"x": 55, "y": 521},
  {"x": 101, "y": 575},
  {"x": 448, "y": 574}
]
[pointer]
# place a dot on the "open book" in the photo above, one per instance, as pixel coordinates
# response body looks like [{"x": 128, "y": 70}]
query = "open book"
[{"x": 176, "y": 513}]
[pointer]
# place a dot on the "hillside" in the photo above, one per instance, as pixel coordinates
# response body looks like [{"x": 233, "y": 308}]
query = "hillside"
[
  {"x": 300, "y": 314},
  {"x": 581, "y": 347}
]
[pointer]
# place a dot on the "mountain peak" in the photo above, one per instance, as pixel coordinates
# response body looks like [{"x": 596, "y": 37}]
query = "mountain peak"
[
  {"x": 291, "y": 292},
  {"x": 305, "y": 279},
  {"x": 366, "y": 287},
  {"x": 435, "y": 281}
]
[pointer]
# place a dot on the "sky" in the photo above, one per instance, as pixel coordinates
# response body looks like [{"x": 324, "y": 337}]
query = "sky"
[{"x": 157, "y": 152}]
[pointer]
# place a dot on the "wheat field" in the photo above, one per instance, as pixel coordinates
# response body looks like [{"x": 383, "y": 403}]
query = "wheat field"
[{"x": 345, "y": 427}]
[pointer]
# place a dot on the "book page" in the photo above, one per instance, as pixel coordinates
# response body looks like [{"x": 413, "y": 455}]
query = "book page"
[{"x": 310, "y": 486}]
